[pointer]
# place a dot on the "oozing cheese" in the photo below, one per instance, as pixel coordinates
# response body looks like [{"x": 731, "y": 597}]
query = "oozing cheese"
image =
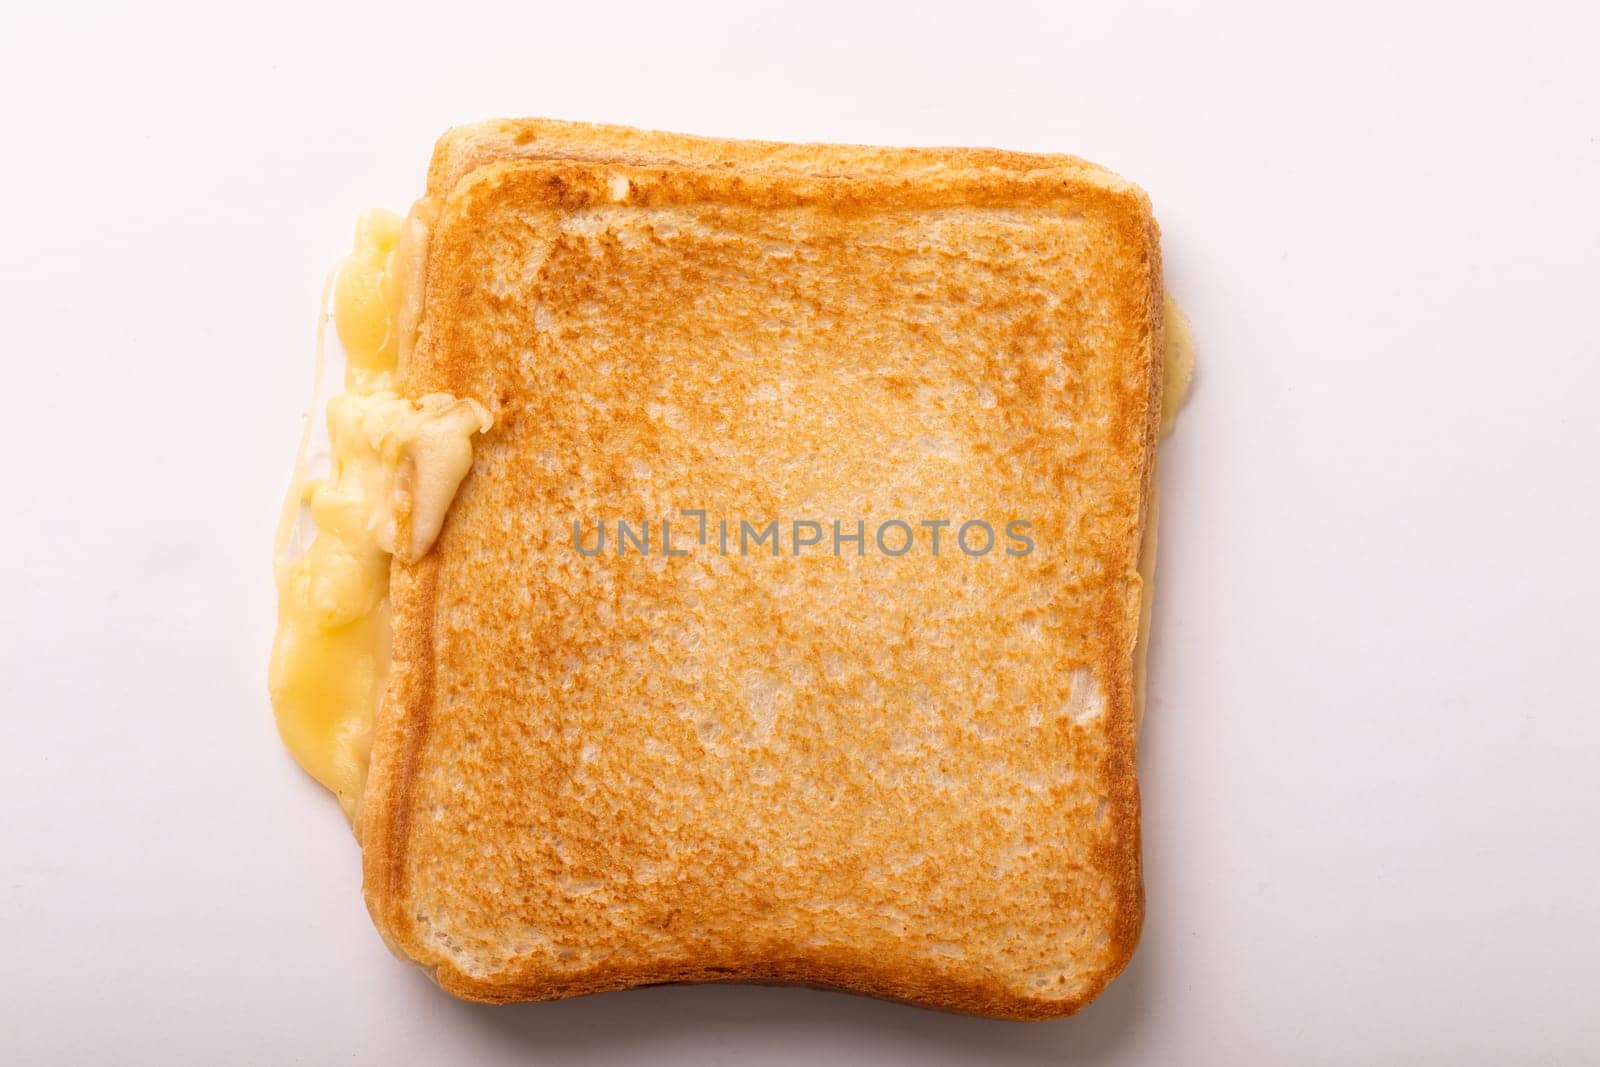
[
  {"x": 1179, "y": 363},
  {"x": 1179, "y": 372},
  {"x": 395, "y": 466}
]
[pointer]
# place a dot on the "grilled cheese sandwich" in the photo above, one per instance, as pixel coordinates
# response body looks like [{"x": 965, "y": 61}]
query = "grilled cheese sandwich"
[{"x": 402, "y": 442}]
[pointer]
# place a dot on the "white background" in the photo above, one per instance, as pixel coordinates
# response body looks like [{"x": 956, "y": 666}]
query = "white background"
[{"x": 1371, "y": 757}]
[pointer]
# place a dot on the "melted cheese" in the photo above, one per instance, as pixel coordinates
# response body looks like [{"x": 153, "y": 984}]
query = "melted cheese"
[
  {"x": 395, "y": 466},
  {"x": 1178, "y": 363},
  {"x": 1178, "y": 370}
]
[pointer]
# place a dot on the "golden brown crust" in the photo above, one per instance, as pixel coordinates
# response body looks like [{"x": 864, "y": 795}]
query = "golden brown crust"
[
  {"x": 998, "y": 314},
  {"x": 465, "y": 148}
]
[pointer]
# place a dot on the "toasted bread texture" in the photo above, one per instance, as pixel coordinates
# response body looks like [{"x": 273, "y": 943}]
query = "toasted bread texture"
[{"x": 910, "y": 776}]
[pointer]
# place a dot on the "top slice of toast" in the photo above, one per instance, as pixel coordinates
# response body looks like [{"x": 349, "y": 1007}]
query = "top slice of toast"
[{"x": 905, "y": 775}]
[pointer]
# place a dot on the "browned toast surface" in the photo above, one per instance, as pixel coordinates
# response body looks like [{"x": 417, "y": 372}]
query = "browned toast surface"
[{"x": 910, "y": 776}]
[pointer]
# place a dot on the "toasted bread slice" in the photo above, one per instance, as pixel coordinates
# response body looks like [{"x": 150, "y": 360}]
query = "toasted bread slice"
[{"x": 910, "y": 775}]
